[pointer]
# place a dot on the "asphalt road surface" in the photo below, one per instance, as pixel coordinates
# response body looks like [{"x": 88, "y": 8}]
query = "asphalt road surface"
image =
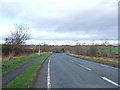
[{"x": 63, "y": 71}]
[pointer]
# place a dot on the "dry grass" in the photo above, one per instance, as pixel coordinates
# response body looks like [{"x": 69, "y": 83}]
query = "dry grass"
[
  {"x": 11, "y": 56},
  {"x": 46, "y": 52},
  {"x": 104, "y": 60}
]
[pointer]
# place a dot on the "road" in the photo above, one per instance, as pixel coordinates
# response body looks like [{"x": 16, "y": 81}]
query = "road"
[{"x": 63, "y": 71}]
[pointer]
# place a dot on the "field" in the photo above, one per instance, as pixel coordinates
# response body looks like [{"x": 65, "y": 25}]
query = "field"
[{"x": 97, "y": 51}]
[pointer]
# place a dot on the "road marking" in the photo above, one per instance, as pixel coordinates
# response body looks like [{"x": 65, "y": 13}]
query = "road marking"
[
  {"x": 72, "y": 61},
  {"x": 84, "y": 67},
  {"x": 110, "y": 81},
  {"x": 48, "y": 76}
]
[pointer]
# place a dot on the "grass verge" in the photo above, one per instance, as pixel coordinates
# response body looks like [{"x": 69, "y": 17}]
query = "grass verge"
[
  {"x": 107, "y": 61},
  {"x": 10, "y": 65},
  {"x": 25, "y": 78}
]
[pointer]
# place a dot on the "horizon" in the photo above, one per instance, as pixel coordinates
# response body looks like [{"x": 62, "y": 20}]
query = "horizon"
[{"x": 71, "y": 42}]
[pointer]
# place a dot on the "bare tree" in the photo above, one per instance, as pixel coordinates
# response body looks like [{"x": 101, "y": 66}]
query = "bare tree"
[
  {"x": 104, "y": 43},
  {"x": 19, "y": 36},
  {"x": 76, "y": 42}
]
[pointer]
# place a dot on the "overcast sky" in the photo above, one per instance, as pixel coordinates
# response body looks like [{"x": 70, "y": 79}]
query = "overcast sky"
[{"x": 61, "y": 20}]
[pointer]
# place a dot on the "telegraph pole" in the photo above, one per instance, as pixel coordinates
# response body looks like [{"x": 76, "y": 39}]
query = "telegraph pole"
[{"x": 39, "y": 49}]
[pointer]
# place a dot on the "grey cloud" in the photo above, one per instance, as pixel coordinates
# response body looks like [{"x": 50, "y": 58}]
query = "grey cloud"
[
  {"x": 98, "y": 23},
  {"x": 103, "y": 26},
  {"x": 89, "y": 21}
]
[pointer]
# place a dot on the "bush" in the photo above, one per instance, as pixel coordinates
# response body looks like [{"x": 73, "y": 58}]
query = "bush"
[
  {"x": 16, "y": 50},
  {"x": 95, "y": 51}
]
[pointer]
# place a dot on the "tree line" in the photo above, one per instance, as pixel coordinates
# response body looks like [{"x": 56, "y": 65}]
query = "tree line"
[{"x": 15, "y": 45}]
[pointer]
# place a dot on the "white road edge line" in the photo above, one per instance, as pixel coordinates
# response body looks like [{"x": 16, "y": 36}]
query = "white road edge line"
[
  {"x": 110, "y": 81},
  {"x": 48, "y": 76},
  {"x": 84, "y": 67}
]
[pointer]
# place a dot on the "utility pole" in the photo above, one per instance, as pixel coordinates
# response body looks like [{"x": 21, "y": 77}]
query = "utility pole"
[{"x": 39, "y": 50}]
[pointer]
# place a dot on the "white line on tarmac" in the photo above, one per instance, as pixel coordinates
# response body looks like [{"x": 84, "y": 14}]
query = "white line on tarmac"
[
  {"x": 72, "y": 61},
  {"x": 48, "y": 76},
  {"x": 84, "y": 67},
  {"x": 110, "y": 81}
]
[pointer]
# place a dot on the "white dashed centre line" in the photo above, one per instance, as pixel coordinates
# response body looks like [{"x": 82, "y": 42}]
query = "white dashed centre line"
[
  {"x": 84, "y": 67},
  {"x": 110, "y": 81},
  {"x": 72, "y": 61}
]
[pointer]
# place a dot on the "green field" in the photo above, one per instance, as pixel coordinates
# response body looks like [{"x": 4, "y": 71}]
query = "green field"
[
  {"x": 116, "y": 50},
  {"x": 97, "y": 51},
  {"x": 25, "y": 78},
  {"x": 108, "y": 51}
]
